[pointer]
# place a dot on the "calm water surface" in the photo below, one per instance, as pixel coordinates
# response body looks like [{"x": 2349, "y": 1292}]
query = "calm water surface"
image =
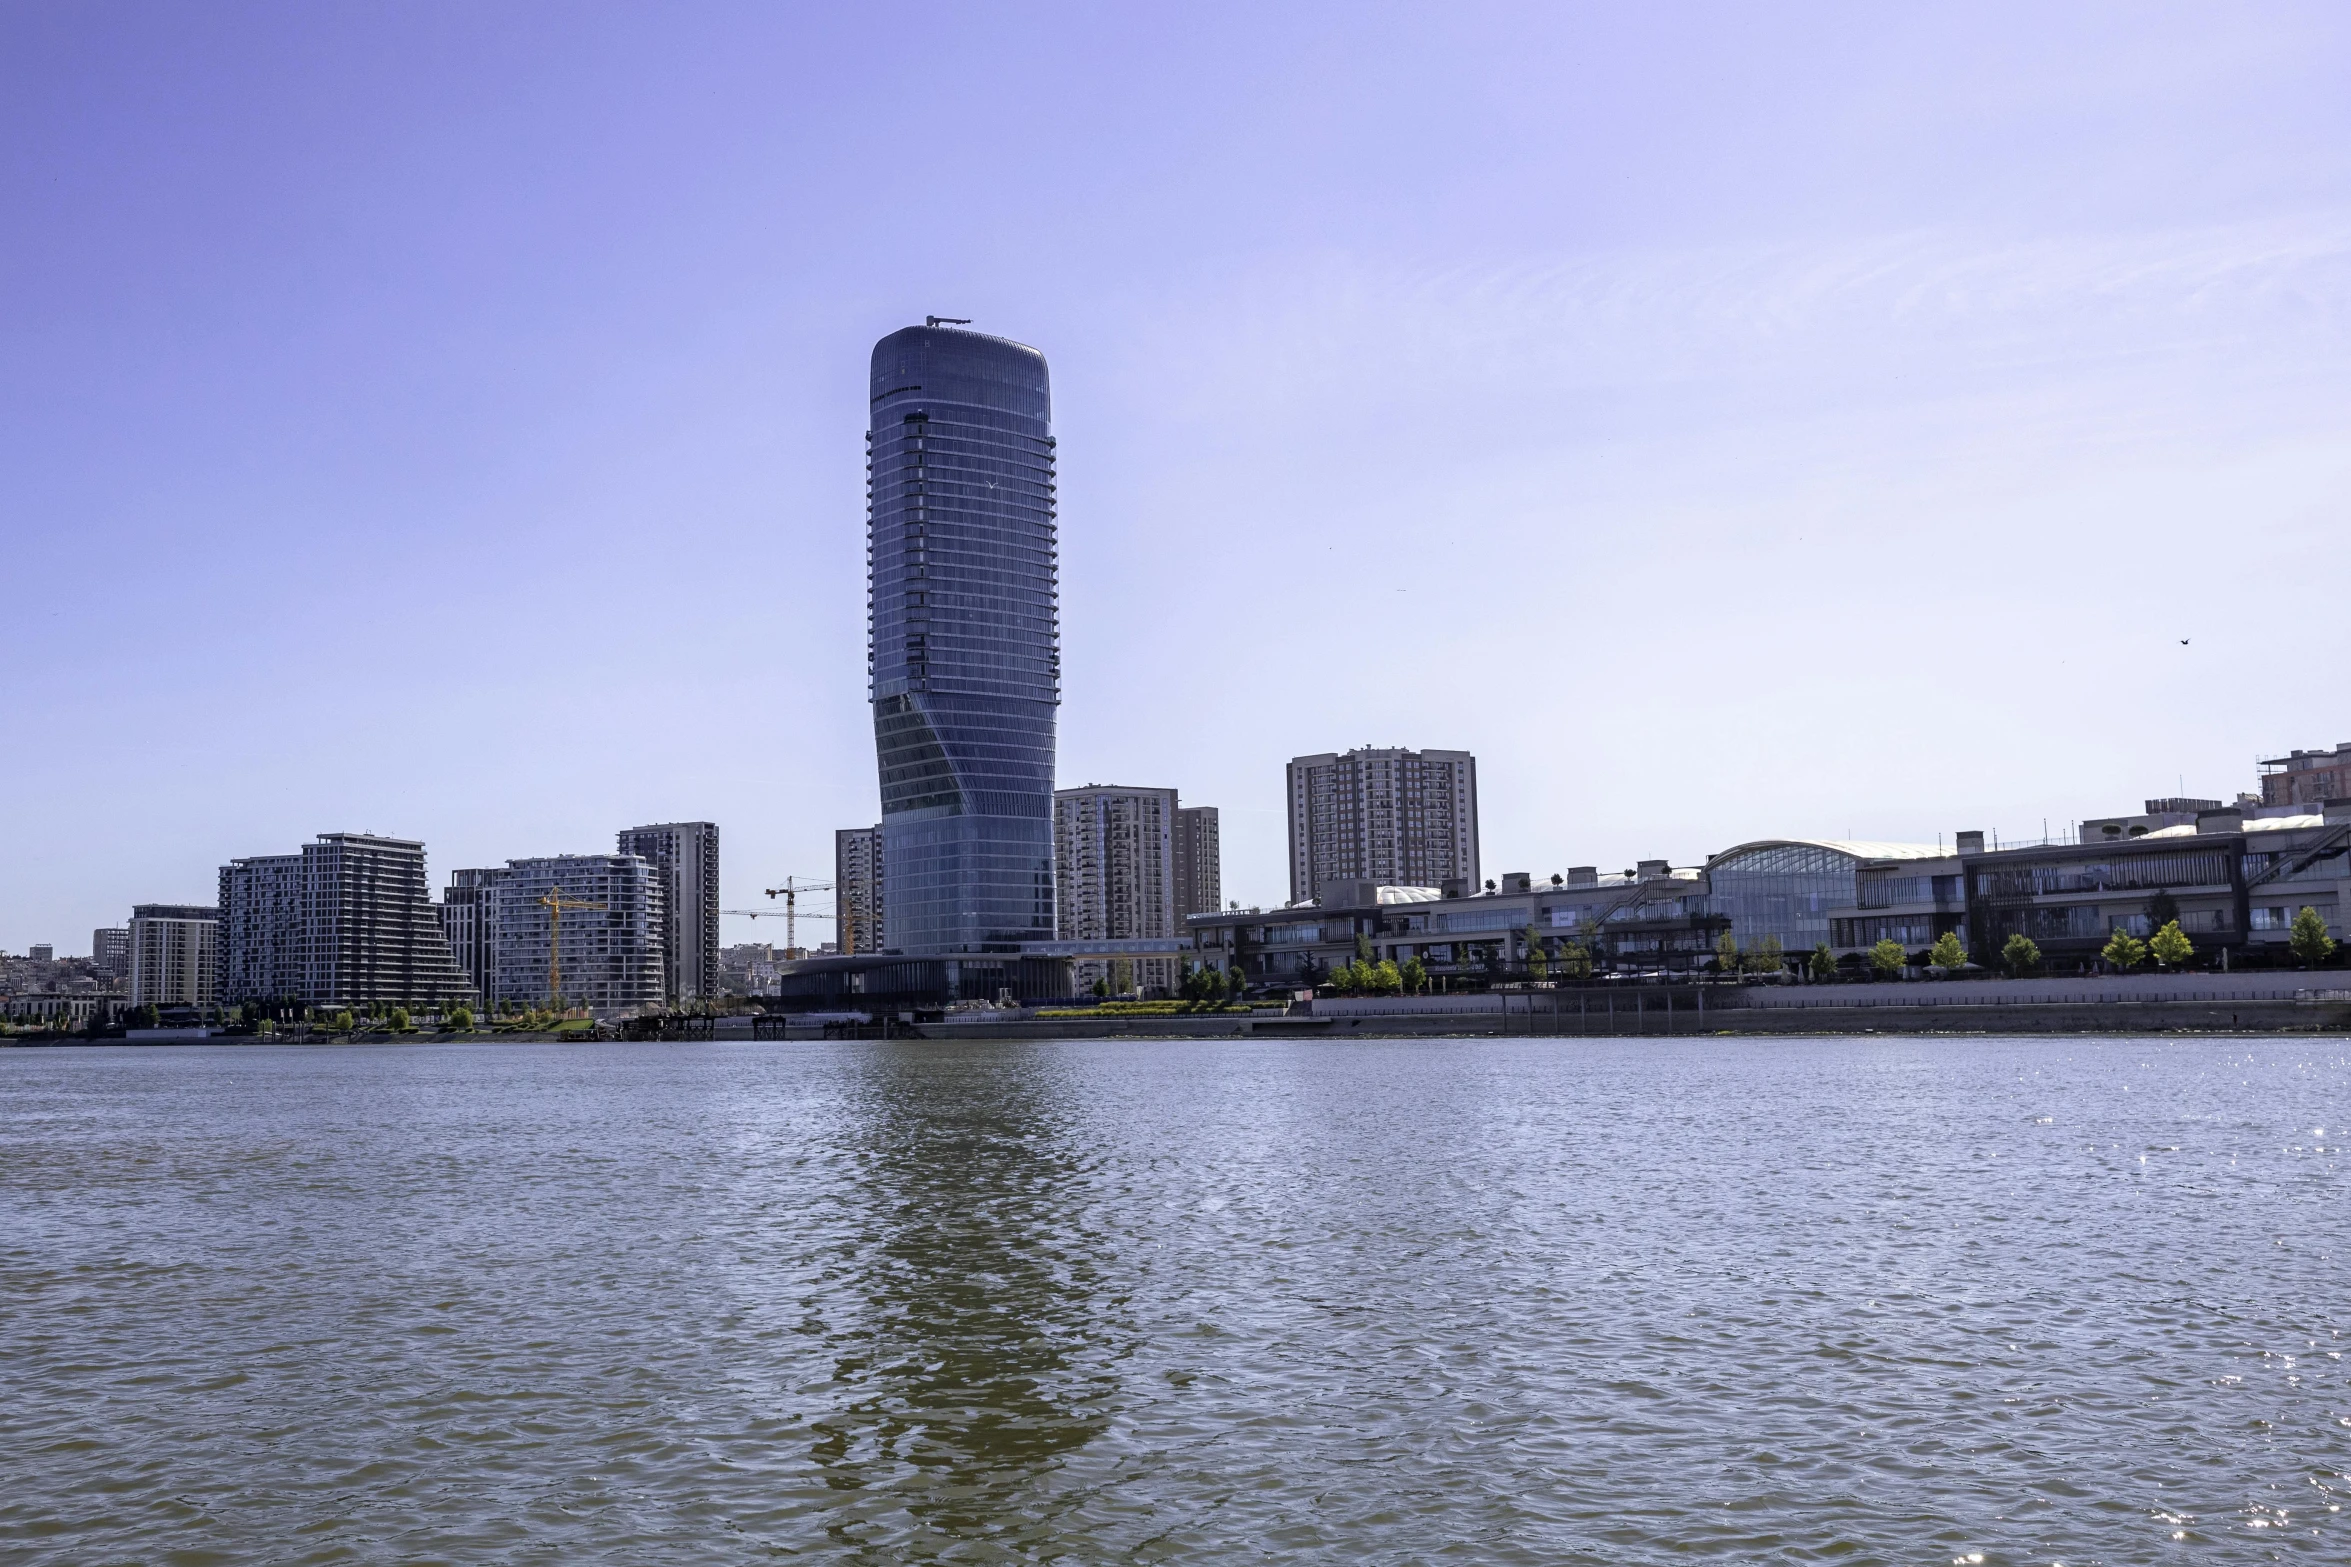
[{"x": 1615, "y": 1301}]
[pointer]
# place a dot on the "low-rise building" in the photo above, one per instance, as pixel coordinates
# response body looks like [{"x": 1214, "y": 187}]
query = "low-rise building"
[
  {"x": 1788, "y": 889},
  {"x": 1653, "y": 918},
  {"x": 1911, "y": 902},
  {"x": 2307, "y": 778},
  {"x": 2233, "y": 882}
]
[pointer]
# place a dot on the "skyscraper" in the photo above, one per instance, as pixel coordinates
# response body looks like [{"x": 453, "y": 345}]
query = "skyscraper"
[
  {"x": 963, "y": 652},
  {"x": 685, "y": 856},
  {"x": 1408, "y": 818}
]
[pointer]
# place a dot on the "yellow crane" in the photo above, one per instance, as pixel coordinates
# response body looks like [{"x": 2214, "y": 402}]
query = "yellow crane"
[{"x": 554, "y": 902}]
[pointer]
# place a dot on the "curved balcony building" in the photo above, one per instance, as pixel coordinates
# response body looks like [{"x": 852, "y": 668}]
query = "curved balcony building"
[{"x": 963, "y": 658}]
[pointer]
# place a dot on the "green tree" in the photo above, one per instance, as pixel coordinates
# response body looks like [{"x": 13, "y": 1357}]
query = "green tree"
[
  {"x": 2021, "y": 953},
  {"x": 1823, "y": 965},
  {"x": 2308, "y": 940},
  {"x": 2162, "y": 909},
  {"x": 2124, "y": 951},
  {"x": 398, "y": 1018},
  {"x": 1363, "y": 952},
  {"x": 2171, "y": 945},
  {"x": 1888, "y": 958},
  {"x": 1726, "y": 953},
  {"x": 343, "y": 1022},
  {"x": 1387, "y": 978},
  {"x": 1538, "y": 961},
  {"x": 1102, "y": 988},
  {"x": 1768, "y": 957},
  {"x": 149, "y": 1015},
  {"x": 1948, "y": 953},
  {"x": 1575, "y": 961},
  {"x": 1415, "y": 975}
]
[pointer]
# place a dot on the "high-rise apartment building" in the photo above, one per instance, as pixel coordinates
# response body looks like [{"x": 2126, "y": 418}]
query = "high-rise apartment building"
[
  {"x": 174, "y": 955},
  {"x": 469, "y": 923},
  {"x": 263, "y": 930},
  {"x": 608, "y": 948},
  {"x": 684, "y": 855},
  {"x": 347, "y": 921},
  {"x": 110, "y": 952},
  {"x": 1404, "y": 818},
  {"x": 963, "y": 652},
  {"x": 1199, "y": 861},
  {"x": 857, "y": 888},
  {"x": 1114, "y": 869}
]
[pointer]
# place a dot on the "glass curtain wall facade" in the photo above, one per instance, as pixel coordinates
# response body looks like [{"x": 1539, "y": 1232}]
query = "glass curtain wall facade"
[
  {"x": 1784, "y": 890},
  {"x": 963, "y": 655}
]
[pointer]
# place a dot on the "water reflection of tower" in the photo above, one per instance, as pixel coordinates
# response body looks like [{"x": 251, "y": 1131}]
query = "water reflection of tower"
[
  {"x": 963, "y": 652},
  {"x": 975, "y": 1348}
]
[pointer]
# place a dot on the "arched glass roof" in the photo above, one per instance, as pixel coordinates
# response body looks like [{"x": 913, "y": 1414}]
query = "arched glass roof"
[{"x": 1813, "y": 854}]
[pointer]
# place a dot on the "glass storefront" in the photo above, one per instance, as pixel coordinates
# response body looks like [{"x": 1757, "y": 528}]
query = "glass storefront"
[{"x": 1784, "y": 890}]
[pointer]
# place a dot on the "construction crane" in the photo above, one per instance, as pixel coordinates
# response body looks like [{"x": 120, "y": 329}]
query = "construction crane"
[
  {"x": 554, "y": 902},
  {"x": 790, "y": 892},
  {"x": 791, "y": 929}
]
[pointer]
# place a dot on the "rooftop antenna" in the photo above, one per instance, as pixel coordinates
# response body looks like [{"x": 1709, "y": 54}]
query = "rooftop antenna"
[{"x": 946, "y": 320}]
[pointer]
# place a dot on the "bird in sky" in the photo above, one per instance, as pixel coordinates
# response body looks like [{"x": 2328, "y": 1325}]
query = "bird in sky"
[{"x": 2183, "y": 642}]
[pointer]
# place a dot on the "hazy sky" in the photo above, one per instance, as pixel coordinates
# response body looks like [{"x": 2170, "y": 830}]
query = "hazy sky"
[{"x": 1725, "y": 421}]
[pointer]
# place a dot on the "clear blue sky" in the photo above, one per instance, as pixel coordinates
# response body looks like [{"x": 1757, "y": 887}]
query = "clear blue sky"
[{"x": 1726, "y": 421}]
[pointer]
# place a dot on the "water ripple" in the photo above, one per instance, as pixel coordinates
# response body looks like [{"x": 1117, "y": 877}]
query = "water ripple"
[{"x": 1512, "y": 1301}]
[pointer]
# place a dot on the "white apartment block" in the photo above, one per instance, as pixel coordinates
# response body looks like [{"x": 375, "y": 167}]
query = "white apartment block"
[
  {"x": 606, "y": 933},
  {"x": 1392, "y": 816},
  {"x": 174, "y": 955},
  {"x": 1114, "y": 874}
]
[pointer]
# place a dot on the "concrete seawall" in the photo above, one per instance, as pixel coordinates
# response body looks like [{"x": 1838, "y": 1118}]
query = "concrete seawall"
[{"x": 2257, "y": 1016}]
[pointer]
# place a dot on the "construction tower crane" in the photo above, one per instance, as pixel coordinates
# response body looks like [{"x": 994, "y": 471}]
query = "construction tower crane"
[
  {"x": 554, "y": 902},
  {"x": 790, "y": 892},
  {"x": 792, "y": 928}
]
